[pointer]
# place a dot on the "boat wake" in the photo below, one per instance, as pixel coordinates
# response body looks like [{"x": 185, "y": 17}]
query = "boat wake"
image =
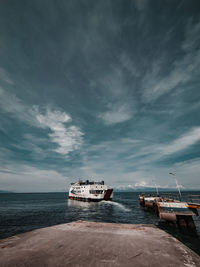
[{"x": 119, "y": 205}]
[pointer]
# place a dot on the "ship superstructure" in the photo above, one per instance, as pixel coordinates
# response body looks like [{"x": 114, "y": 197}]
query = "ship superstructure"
[{"x": 90, "y": 191}]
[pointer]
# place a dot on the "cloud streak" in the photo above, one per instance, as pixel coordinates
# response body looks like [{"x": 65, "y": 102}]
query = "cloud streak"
[
  {"x": 182, "y": 70},
  {"x": 25, "y": 178},
  {"x": 186, "y": 140},
  {"x": 4, "y": 76},
  {"x": 116, "y": 115},
  {"x": 117, "y": 101},
  {"x": 67, "y": 138}
]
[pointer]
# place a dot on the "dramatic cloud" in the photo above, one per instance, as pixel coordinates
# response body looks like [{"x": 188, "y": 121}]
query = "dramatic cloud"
[
  {"x": 99, "y": 90},
  {"x": 67, "y": 138}
]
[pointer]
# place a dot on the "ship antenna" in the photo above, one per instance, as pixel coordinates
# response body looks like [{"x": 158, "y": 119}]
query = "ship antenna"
[{"x": 177, "y": 185}]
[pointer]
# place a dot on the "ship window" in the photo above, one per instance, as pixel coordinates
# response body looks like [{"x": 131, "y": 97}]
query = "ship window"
[{"x": 96, "y": 191}]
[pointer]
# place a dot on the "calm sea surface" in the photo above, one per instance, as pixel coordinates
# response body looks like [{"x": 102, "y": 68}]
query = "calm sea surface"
[{"x": 24, "y": 212}]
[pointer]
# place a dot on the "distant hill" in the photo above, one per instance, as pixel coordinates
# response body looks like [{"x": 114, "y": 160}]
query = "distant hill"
[{"x": 151, "y": 189}]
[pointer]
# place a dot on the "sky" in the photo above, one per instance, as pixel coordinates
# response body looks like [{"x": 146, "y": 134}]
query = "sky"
[{"x": 100, "y": 90}]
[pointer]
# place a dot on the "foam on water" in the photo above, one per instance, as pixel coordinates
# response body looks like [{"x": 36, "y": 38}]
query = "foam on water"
[{"x": 119, "y": 205}]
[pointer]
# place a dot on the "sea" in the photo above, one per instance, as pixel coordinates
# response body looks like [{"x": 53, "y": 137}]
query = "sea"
[{"x": 23, "y": 212}]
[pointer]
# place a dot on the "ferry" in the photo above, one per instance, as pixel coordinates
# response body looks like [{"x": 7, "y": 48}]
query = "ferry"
[{"x": 90, "y": 191}]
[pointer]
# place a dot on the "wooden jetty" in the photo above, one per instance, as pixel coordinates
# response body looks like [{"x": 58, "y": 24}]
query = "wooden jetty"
[
  {"x": 88, "y": 244},
  {"x": 171, "y": 210},
  {"x": 176, "y": 211},
  {"x": 148, "y": 201}
]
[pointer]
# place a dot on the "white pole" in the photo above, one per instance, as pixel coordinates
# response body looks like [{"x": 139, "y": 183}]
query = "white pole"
[
  {"x": 154, "y": 180},
  {"x": 177, "y": 185}
]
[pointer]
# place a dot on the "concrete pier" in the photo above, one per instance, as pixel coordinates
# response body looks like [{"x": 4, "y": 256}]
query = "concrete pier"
[{"x": 96, "y": 244}]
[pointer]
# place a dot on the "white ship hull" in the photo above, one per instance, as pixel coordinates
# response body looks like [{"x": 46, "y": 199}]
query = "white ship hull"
[{"x": 90, "y": 191}]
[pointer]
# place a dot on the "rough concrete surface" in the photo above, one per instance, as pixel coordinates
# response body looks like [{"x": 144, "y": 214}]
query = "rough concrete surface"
[{"x": 96, "y": 244}]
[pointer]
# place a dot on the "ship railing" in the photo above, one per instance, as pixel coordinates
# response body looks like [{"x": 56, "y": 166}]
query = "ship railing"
[
  {"x": 91, "y": 183},
  {"x": 169, "y": 196}
]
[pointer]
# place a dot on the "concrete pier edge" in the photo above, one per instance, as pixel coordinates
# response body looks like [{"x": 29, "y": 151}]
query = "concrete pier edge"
[{"x": 84, "y": 243}]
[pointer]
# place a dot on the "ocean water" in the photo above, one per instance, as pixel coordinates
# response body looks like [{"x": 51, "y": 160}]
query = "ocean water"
[{"x": 24, "y": 212}]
